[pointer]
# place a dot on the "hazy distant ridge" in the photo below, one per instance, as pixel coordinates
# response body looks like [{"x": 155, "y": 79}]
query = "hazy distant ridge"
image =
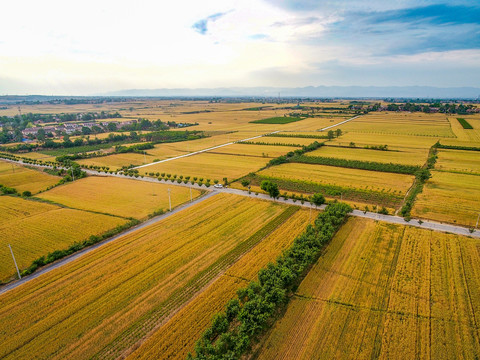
[{"x": 314, "y": 91}]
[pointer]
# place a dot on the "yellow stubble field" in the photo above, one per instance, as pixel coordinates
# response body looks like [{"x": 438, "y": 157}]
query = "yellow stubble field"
[
  {"x": 211, "y": 166},
  {"x": 23, "y": 178},
  {"x": 118, "y": 196},
  {"x": 449, "y": 197},
  {"x": 384, "y": 291},
  {"x": 406, "y": 157},
  {"x": 462, "y": 161},
  {"x": 132, "y": 283},
  {"x": 344, "y": 177},
  {"x": 411, "y": 124},
  {"x": 34, "y": 229}
]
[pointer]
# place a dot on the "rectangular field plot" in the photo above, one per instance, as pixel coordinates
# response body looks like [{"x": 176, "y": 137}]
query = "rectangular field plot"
[
  {"x": 384, "y": 291},
  {"x": 177, "y": 337},
  {"x": 472, "y": 135},
  {"x": 459, "y": 161},
  {"x": 406, "y": 157},
  {"x": 118, "y": 196},
  {"x": 211, "y": 166},
  {"x": 104, "y": 302},
  {"x": 34, "y": 229},
  {"x": 343, "y": 177},
  {"x": 413, "y": 124},
  {"x": 450, "y": 197},
  {"x": 265, "y": 151},
  {"x": 23, "y": 178},
  {"x": 286, "y": 140}
]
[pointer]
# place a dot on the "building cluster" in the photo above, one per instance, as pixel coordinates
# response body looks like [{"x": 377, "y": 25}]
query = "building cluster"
[{"x": 70, "y": 128}]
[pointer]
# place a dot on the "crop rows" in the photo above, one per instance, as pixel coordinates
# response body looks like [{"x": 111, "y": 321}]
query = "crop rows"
[
  {"x": 73, "y": 312},
  {"x": 384, "y": 291}
]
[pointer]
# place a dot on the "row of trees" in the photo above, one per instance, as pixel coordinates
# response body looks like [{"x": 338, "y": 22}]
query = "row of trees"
[{"x": 234, "y": 330}]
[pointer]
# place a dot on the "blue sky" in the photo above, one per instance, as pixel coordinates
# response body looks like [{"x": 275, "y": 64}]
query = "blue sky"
[{"x": 107, "y": 45}]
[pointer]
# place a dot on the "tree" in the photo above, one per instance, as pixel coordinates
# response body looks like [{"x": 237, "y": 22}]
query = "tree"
[
  {"x": 86, "y": 130},
  {"x": 338, "y": 132},
  {"x": 318, "y": 199},
  {"x": 330, "y": 134},
  {"x": 41, "y": 134},
  {"x": 271, "y": 188},
  {"x": 245, "y": 182},
  {"x": 112, "y": 126}
]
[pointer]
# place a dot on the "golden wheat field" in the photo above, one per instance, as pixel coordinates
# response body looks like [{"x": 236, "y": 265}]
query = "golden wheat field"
[
  {"x": 469, "y": 135},
  {"x": 34, "y": 229},
  {"x": 177, "y": 337},
  {"x": 286, "y": 140},
  {"x": 266, "y": 151},
  {"x": 211, "y": 166},
  {"x": 412, "y": 124},
  {"x": 450, "y": 197},
  {"x": 407, "y": 157},
  {"x": 384, "y": 291},
  {"x": 331, "y": 175},
  {"x": 118, "y": 196},
  {"x": 23, "y": 178},
  {"x": 462, "y": 161},
  {"x": 121, "y": 291}
]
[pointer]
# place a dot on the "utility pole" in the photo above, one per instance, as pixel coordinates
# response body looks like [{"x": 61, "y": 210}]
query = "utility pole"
[
  {"x": 18, "y": 271},
  {"x": 169, "y": 200}
]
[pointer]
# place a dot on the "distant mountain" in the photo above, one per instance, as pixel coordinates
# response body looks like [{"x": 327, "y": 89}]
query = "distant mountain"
[{"x": 313, "y": 91}]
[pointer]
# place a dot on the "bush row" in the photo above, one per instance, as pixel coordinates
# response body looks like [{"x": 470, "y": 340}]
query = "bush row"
[
  {"x": 233, "y": 331},
  {"x": 357, "y": 164}
]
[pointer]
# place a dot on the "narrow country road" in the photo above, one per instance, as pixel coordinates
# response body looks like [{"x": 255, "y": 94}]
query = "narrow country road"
[
  {"x": 340, "y": 123},
  {"x": 203, "y": 150},
  {"x": 85, "y": 251}
]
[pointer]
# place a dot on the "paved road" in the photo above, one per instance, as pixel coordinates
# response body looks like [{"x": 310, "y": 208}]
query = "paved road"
[
  {"x": 202, "y": 151},
  {"x": 425, "y": 224},
  {"x": 85, "y": 251},
  {"x": 340, "y": 123}
]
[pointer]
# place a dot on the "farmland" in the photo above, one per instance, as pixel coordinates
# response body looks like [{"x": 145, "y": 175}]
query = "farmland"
[
  {"x": 177, "y": 337},
  {"x": 25, "y": 179},
  {"x": 276, "y": 120},
  {"x": 34, "y": 229},
  {"x": 450, "y": 197},
  {"x": 462, "y": 161},
  {"x": 407, "y": 157},
  {"x": 412, "y": 124},
  {"x": 130, "y": 284},
  {"x": 118, "y": 196},
  {"x": 392, "y": 291},
  {"x": 211, "y": 166}
]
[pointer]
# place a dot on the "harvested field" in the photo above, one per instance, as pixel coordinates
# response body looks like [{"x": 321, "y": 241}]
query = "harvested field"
[
  {"x": 331, "y": 175},
  {"x": 34, "y": 229},
  {"x": 413, "y": 124},
  {"x": 384, "y": 291},
  {"x": 469, "y": 135},
  {"x": 118, "y": 293},
  {"x": 462, "y": 161},
  {"x": 449, "y": 197},
  {"x": 405, "y": 157},
  {"x": 265, "y": 151},
  {"x": 23, "y": 178},
  {"x": 211, "y": 166},
  {"x": 118, "y": 196}
]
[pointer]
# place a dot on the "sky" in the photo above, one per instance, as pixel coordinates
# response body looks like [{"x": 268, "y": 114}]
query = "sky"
[{"x": 92, "y": 47}]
